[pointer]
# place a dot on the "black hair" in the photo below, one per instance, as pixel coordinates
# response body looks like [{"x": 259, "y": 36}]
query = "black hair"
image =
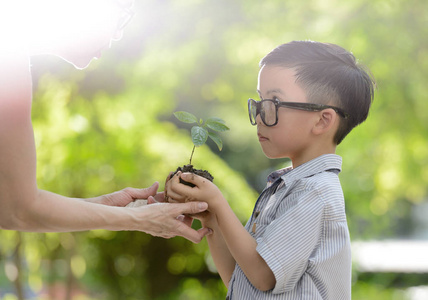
[{"x": 329, "y": 74}]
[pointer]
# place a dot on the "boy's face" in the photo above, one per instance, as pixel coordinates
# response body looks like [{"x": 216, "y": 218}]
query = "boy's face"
[{"x": 291, "y": 136}]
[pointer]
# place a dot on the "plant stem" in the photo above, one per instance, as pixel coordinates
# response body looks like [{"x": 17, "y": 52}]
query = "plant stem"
[{"x": 193, "y": 150}]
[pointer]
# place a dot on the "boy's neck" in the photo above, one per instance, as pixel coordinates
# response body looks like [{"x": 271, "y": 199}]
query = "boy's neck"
[{"x": 312, "y": 153}]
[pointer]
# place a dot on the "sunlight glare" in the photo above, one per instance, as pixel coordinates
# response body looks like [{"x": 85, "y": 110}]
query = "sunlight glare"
[{"x": 29, "y": 21}]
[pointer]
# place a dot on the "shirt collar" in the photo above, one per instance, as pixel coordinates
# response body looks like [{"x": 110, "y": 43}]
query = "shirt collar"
[{"x": 317, "y": 165}]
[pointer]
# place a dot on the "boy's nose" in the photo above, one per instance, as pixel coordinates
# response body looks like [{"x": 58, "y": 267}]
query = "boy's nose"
[{"x": 259, "y": 120}]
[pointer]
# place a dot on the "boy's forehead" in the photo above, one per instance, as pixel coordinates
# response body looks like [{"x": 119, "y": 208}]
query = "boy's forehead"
[
  {"x": 280, "y": 81},
  {"x": 273, "y": 73},
  {"x": 275, "y": 78}
]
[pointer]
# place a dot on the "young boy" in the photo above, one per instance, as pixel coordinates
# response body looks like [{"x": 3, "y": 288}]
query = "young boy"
[{"x": 296, "y": 244}]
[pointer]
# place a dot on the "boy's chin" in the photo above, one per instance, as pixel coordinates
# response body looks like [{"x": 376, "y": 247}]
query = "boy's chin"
[
  {"x": 273, "y": 155},
  {"x": 270, "y": 156}
]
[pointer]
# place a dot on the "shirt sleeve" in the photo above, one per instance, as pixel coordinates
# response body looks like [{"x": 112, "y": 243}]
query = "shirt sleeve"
[{"x": 291, "y": 238}]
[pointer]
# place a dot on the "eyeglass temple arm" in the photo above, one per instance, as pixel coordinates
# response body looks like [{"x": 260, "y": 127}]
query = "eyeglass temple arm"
[{"x": 313, "y": 107}]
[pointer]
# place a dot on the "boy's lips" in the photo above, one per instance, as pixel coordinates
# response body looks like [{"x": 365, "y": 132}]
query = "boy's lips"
[{"x": 261, "y": 137}]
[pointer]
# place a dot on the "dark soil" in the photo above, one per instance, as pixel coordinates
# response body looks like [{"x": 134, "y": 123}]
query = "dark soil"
[{"x": 190, "y": 169}]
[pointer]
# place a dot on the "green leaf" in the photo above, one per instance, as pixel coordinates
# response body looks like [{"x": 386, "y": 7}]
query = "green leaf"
[
  {"x": 216, "y": 138},
  {"x": 185, "y": 117},
  {"x": 215, "y": 119},
  {"x": 199, "y": 135},
  {"x": 216, "y": 124}
]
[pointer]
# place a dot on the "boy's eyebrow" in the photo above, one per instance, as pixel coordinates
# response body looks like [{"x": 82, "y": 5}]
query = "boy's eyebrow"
[{"x": 272, "y": 91}]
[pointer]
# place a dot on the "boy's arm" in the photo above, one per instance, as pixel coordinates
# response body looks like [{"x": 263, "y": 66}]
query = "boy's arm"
[
  {"x": 220, "y": 253},
  {"x": 241, "y": 244}
]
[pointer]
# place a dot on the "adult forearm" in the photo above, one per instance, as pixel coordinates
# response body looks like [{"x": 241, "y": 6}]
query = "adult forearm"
[
  {"x": 49, "y": 212},
  {"x": 53, "y": 212}
]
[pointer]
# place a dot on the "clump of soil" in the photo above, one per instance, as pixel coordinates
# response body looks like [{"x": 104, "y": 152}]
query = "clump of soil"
[{"x": 190, "y": 169}]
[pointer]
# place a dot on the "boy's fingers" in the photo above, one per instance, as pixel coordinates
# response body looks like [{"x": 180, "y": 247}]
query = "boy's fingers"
[
  {"x": 175, "y": 198},
  {"x": 177, "y": 191},
  {"x": 169, "y": 177},
  {"x": 197, "y": 180},
  {"x": 192, "y": 178}
]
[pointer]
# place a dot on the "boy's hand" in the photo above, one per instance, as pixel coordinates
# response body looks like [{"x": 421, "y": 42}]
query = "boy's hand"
[
  {"x": 204, "y": 190},
  {"x": 168, "y": 183}
]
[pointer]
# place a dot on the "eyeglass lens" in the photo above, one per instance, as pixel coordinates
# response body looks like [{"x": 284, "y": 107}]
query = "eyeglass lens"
[
  {"x": 268, "y": 112},
  {"x": 252, "y": 107},
  {"x": 266, "y": 109}
]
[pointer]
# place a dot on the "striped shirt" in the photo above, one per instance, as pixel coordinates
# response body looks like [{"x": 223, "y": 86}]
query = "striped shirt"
[{"x": 300, "y": 226}]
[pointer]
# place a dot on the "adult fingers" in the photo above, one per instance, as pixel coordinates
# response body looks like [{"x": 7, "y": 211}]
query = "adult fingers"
[
  {"x": 201, "y": 216},
  {"x": 152, "y": 190},
  {"x": 142, "y": 193},
  {"x": 160, "y": 197},
  {"x": 188, "y": 208},
  {"x": 187, "y": 220},
  {"x": 190, "y": 234},
  {"x": 205, "y": 231},
  {"x": 151, "y": 200}
]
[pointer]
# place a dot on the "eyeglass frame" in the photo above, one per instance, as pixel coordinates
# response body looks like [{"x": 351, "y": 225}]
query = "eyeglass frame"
[
  {"x": 293, "y": 105},
  {"x": 125, "y": 18}
]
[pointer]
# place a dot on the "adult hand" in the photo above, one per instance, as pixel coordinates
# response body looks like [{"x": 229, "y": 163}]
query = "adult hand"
[
  {"x": 127, "y": 195},
  {"x": 168, "y": 220},
  {"x": 159, "y": 198}
]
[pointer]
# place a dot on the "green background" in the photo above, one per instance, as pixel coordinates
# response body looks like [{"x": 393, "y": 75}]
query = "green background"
[{"x": 111, "y": 126}]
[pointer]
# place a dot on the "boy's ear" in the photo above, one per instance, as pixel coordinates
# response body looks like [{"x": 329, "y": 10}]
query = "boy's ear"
[{"x": 326, "y": 121}]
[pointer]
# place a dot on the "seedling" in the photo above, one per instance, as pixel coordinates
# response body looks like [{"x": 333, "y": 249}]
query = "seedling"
[{"x": 202, "y": 130}]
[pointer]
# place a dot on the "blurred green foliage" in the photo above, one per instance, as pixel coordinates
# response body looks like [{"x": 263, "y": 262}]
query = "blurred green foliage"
[{"x": 111, "y": 126}]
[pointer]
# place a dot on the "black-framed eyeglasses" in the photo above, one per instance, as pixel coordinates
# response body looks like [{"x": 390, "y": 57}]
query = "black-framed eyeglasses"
[{"x": 268, "y": 109}]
